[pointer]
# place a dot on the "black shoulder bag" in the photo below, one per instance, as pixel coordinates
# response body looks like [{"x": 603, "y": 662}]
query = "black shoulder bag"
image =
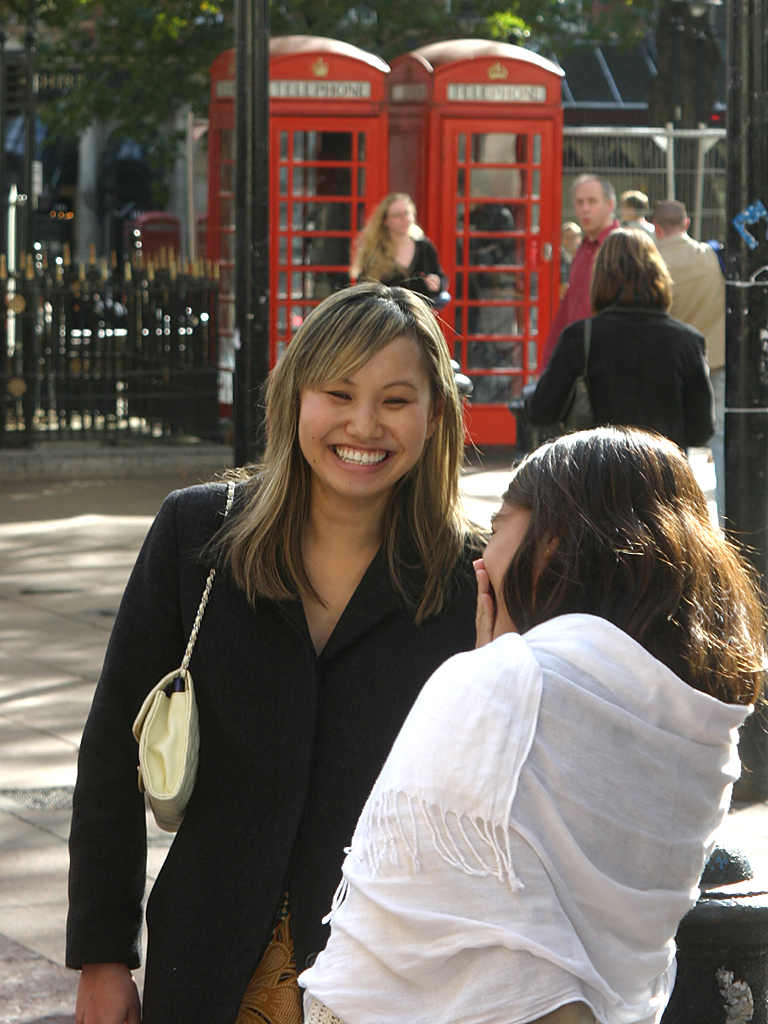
[{"x": 577, "y": 411}]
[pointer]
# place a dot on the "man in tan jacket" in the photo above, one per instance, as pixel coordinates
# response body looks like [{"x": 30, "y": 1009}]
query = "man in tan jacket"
[{"x": 698, "y": 299}]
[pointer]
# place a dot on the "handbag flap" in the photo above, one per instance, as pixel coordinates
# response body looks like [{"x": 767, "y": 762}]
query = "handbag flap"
[{"x": 138, "y": 722}]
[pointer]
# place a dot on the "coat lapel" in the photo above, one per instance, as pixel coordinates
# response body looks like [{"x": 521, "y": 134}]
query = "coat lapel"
[{"x": 372, "y": 602}]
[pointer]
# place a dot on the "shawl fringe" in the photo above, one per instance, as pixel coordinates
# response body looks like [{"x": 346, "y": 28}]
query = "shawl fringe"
[{"x": 474, "y": 846}]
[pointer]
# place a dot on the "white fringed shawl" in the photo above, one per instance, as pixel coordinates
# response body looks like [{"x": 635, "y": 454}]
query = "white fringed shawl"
[{"x": 534, "y": 837}]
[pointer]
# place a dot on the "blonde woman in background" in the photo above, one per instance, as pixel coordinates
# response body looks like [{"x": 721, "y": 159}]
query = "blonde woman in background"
[{"x": 393, "y": 249}]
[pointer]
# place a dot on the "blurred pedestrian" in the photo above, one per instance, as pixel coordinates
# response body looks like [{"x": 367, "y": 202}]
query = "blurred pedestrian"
[
  {"x": 698, "y": 299},
  {"x": 595, "y": 200},
  {"x": 645, "y": 368},
  {"x": 634, "y": 207},
  {"x": 393, "y": 249},
  {"x": 344, "y": 580},
  {"x": 569, "y": 244}
]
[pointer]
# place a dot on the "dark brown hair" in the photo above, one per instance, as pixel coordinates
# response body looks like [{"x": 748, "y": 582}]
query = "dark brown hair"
[
  {"x": 635, "y": 545},
  {"x": 630, "y": 272}
]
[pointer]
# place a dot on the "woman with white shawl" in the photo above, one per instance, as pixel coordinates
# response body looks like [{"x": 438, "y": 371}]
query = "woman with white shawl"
[{"x": 541, "y": 824}]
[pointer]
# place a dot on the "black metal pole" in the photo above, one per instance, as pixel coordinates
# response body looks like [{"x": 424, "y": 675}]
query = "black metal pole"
[
  {"x": 252, "y": 227},
  {"x": 30, "y": 125},
  {"x": 678, "y": 29},
  {"x": 700, "y": 112},
  {"x": 746, "y": 349},
  {"x": 3, "y": 116}
]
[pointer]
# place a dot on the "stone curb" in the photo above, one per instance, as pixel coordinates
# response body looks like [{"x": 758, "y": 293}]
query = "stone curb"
[{"x": 94, "y": 460}]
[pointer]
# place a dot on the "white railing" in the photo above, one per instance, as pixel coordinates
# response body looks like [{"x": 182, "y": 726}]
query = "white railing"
[{"x": 687, "y": 164}]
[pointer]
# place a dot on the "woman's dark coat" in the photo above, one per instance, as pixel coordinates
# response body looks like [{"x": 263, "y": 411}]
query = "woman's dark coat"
[
  {"x": 646, "y": 369},
  {"x": 290, "y": 745},
  {"x": 425, "y": 261}
]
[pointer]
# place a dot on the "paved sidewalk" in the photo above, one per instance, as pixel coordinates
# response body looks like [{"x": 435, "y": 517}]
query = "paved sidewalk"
[{"x": 61, "y": 577}]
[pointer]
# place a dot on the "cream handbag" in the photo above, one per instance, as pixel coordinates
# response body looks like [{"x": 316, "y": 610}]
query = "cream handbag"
[{"x": 167, "y": 730}]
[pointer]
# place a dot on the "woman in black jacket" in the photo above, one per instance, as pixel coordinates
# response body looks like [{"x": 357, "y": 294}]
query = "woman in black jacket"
[
  {"x": 344, "y": 580},
  {"x": 393, "y": 249},
  {"x": 646, "y": 369}
]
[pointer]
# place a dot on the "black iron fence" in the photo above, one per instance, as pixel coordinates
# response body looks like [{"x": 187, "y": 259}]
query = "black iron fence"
[{"x": 107, "y": 351}]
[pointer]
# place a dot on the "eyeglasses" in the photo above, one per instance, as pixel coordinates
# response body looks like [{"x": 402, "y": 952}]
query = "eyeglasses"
[{"x": 403, "y": 213}]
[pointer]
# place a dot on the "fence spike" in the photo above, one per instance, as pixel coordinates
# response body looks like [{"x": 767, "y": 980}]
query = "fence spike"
[
  {"x": 92, "y": 254},
  {"x": 150, "y": 270},
  {"x": 81, "y": 272},
  {"x": 163, "y": 258},
  {"x": 127, "y": 270},
  {"x": 67, "y": 255},
  {"x": 113, "y": 259},
  {"x": 29, "y": 269},
  {"x": 3, "y": 267}
]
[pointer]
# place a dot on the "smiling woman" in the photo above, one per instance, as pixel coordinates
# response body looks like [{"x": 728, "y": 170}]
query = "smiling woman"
[
  {"x": 377, "y": 422},
  {"x": 360, "y": 436},
  {"x": 345, "y": 579}
]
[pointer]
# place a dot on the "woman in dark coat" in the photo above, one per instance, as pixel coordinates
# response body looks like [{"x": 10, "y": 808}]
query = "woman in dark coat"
[
  {"x": 646, "y": 369},
  {"x": 344, "y": 580},
  {"x": 393, "y": 249}
]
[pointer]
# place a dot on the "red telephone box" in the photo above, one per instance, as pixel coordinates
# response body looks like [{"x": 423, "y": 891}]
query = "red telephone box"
[
  {"x": 476, "y": 139},
  {"x": 328, "y": 146}
]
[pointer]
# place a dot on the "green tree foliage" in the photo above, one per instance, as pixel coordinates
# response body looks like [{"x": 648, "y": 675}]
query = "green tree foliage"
[
  {"x": 558, "y": 25},
  {"x": 138, "y": 62},
  {"x": 141, "y": 61}
]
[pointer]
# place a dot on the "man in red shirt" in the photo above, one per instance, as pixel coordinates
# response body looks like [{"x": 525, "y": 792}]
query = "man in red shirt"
[{"x": 595, "y": 200}]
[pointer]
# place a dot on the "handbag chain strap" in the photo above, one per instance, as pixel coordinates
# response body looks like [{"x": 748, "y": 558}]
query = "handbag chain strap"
[{"x": 206, "y": 592}]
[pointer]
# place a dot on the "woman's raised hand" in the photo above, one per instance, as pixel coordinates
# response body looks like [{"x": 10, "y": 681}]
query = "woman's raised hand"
[
  {"x": 107, "y": 994},
  {"x": 485, "y": 617}
]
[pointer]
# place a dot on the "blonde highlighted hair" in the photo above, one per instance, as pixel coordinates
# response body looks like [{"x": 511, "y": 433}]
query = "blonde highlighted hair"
[
  {"x": 425, "y": 526},
  {"x": 374, "y": 254}
]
